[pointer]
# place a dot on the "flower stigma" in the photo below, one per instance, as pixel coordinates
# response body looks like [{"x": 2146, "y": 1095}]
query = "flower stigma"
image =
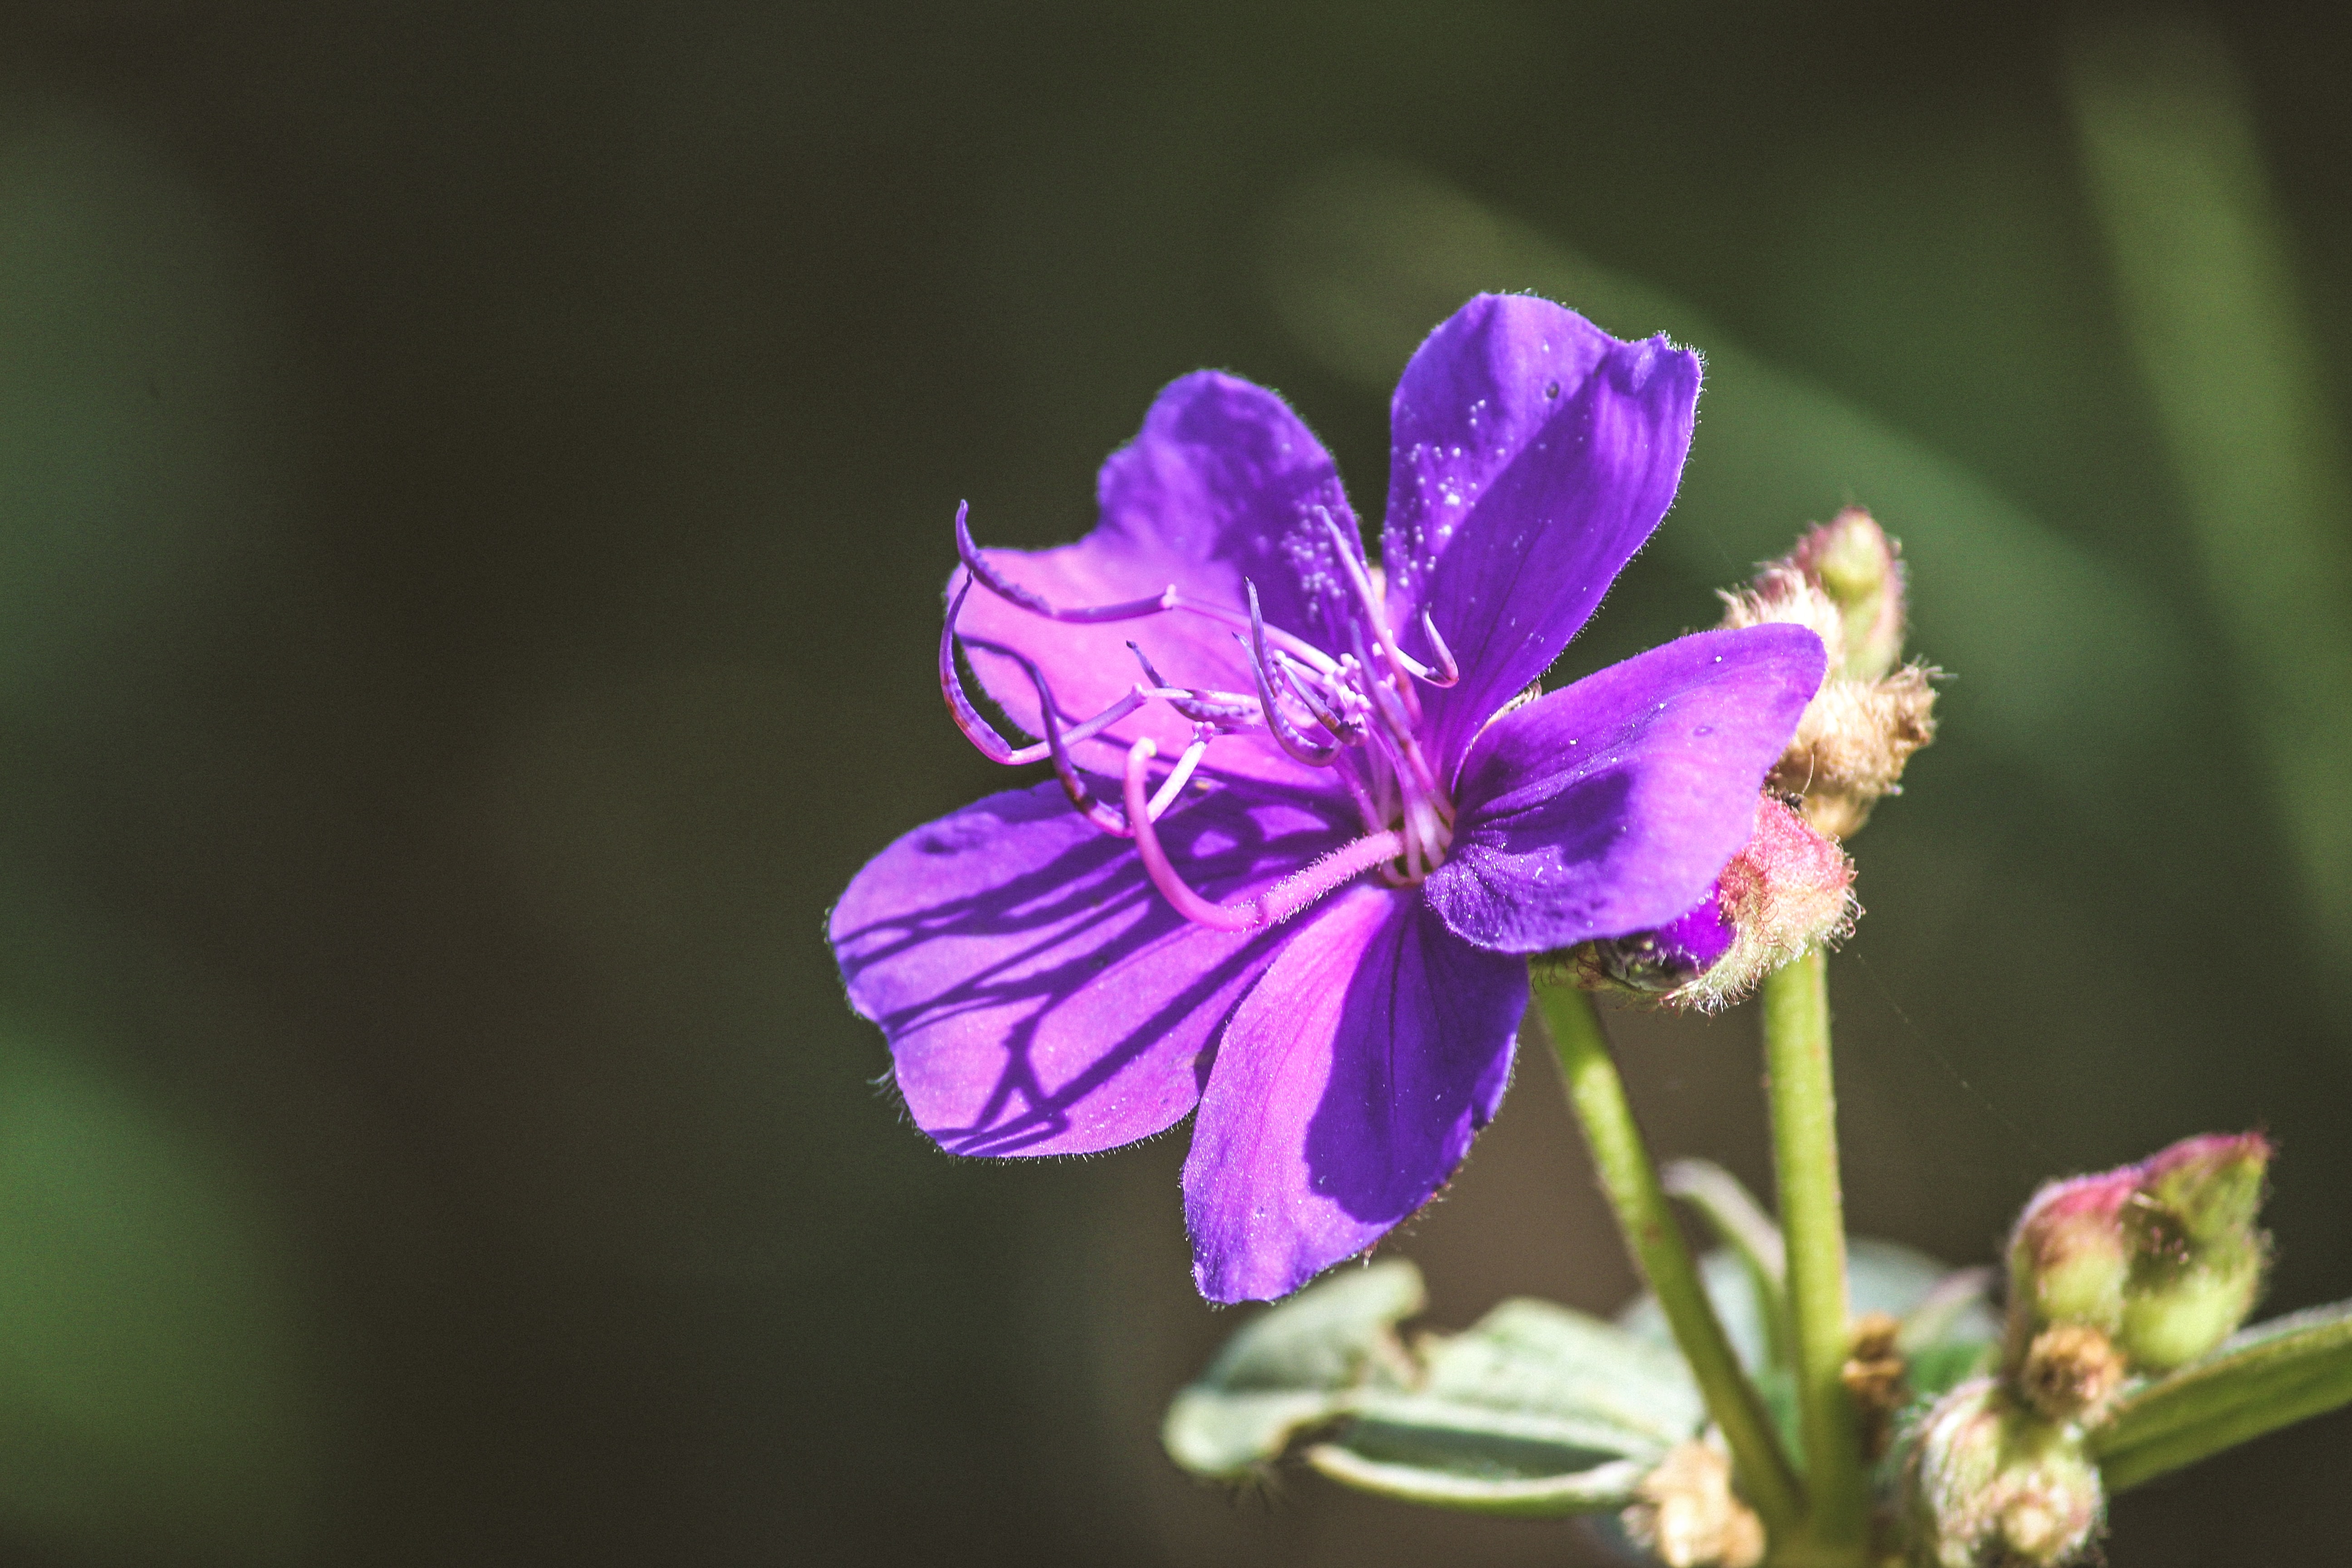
[{"x": 1355, "y": 710}]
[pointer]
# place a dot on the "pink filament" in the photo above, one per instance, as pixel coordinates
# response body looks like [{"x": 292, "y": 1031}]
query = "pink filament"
[{"x": 1277, "y": 903}]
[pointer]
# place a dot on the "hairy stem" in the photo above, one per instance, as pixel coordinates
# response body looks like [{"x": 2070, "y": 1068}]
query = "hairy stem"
[
  {"x": 1812, "y": 1222},
  {"x": 1630, "y": 1181}
]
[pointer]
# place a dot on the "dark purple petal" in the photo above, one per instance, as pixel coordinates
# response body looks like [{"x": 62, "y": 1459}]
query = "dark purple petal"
[
  {"x": 1222, "y": 484},
  {"x": 1532, "y": 454},
  {"x": 1347, "y": 1091},
  {"x": 1611, "y": 806},
  {"x": 1039, "y": 997},
  {"x": 1696, "y": 938}
]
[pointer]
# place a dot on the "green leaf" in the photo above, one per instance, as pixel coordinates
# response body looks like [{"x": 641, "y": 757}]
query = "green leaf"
[
  {"x": 1724, "y": 1276},
  {"x": 1947, "y": 1331},
  {"x": 1950, "y": 1334},
  {"x": 1535, "y": 1410},
  {"x": 2265, "y": 1377},
  {"x": 1297, "y": 1365}
]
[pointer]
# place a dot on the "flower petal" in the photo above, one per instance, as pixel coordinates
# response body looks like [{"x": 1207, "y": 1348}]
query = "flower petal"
[
  {"x": 1347, "y": 1091},
  {"x": 1222, "y": 484},
  {"x": 1610, "y": 807},
  {"x": 1039, "y": 997},
  {"x": 1532, "y": 454}
]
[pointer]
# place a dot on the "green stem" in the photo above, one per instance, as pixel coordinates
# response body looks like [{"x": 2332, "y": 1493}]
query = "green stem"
[
  {"x": 1812, "y": 1222},
  {"x": 1630, "y": 1181}
]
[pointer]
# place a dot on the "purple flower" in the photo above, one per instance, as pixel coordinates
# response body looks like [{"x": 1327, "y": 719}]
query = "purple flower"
[{"x": 1308, "y": 821}]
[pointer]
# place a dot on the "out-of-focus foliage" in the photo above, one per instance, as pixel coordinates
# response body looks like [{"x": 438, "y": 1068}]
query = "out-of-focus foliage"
[
  {"x": 151, "y": 1373},
  {"x": 474, "y": 493}
]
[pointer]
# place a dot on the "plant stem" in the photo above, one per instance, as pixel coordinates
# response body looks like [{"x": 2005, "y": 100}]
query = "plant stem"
[
  {"x": 1630, "y": 1181},
  {"x": 1812, "y": 1222}
]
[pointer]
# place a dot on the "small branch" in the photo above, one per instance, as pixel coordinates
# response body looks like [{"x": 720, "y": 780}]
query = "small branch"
[
  {"x": 1630, "y": 1181},
  {"x": 1812, "y": 1223}
]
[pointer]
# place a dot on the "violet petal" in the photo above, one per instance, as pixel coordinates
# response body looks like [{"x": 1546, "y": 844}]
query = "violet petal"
[
  {"x": 1609, "y": 806},
  {"x": 1038, "y": 995},
  {"x": 1222, "y": 484},
  {"x": 1532, "y": 454},
  {"x": 1348, "y": 1087}
]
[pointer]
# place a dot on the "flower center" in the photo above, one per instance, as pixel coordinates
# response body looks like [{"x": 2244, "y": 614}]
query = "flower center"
[{"x": 1356, "y": 711}]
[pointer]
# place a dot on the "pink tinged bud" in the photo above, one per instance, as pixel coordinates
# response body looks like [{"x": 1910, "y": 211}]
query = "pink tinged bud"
[
  {"x": 1787, "y": 889},
  {"x": 2213, "y": 1183},
  {"x": 1852, "y": 561},
  {"x": 2070, "y": 1257},
  {"x": 1986, "y": 1481},
  {"x": 2201, "y": 1257},
  {"x": 2164, "y": 1256}
]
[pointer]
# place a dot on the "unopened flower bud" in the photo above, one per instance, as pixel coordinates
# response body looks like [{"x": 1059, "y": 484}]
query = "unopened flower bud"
[
  {"x": 1787, "y": 889},
  {"x": 1987, "y": 1482},
  {"x": 2163, "y": 1258},
  {"x": 2200, "y": 1257},
  {"x": 1844, "y": 582},
  {"x": 2071, "y": 1371},
  {"x": 1687, "y": 1516},
  {"x": 2070, "y": 1257},
  {"x": 2212, "y": 1185},
  {"x": 1861, "y": 569},
  {"x": 1852, "y": 744}
]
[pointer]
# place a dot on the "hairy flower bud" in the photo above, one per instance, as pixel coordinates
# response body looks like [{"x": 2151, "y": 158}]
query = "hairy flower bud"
[
  {"x": 2070, "y": 1257},
  {"x": 1987, "y": 1482},
  {"x": 2163, "y": 1258},
  {"x": 2199, "y": 1256},
  {"x": 1861, "y": 569},
  {"x": 1844, "y": 583},
  {"x": 1787, "y": 889}
]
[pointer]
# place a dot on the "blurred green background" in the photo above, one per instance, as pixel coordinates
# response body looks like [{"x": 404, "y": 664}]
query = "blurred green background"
[{"x": 475, "y": 486}]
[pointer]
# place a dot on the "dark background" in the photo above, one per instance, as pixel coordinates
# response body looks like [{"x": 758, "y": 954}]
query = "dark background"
[{"x": 475, "y": 486}]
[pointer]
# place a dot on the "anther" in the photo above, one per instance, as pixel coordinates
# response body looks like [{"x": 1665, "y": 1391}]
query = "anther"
[
  {"x": 1289, "y": 738},
  {"x": 983, "y": 735},
  {"x": 1014, "y": 593}
]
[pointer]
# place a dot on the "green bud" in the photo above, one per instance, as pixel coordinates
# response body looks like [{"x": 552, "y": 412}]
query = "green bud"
[
  {"x": 2070, "y": 1256},
  {"x": 1987, "y": 1482},
  {"x": 2214, "y": 1185},
  {"x": 2163, "y": 1255},
  {"x": 1854, "y": 561},
  {"x": 2172, "y": 1323}
]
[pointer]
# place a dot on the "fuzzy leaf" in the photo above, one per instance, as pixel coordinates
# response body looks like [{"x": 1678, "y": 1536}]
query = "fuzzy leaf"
[
  {"x": 1535, "y": 1410},
  {"x": 2262, "y": 1378},
  {"x": 1295, "y": 1366}
]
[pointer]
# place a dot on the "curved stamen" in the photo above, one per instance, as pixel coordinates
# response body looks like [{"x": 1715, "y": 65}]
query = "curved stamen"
[
  {"x": 1367, "y": 601},
  {"x": 1082, "y": 797},
  {"x": 1006, "y": 589},
  {"x": 1447, "y": 672},
  {"x": 978, "y": 730},
  {"x": 1288, "y": 738},
  {"x": 1400, "y": 736},
  {"x": 1298, "y": 686},
  {"x": 1277, "y": 903},
  {"x": 1225, "y": 710},
  {"x": 1168, "y": 599}
]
